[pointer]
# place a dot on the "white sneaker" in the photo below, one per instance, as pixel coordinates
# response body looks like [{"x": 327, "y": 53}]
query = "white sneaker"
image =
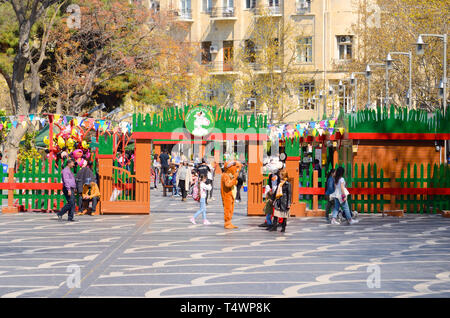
[
  {"x": 353, "y": 221},
  {"x": 193, "y": 221},
  {"x": 206, "y": 222},
  {"x": 334, "y": 222}
]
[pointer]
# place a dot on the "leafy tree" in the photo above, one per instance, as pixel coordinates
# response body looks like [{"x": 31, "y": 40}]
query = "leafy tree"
[{"x": 393, "y": 26}]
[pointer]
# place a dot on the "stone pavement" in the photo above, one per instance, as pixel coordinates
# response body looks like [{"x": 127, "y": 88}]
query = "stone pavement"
[{"x": 164, "y": 255}]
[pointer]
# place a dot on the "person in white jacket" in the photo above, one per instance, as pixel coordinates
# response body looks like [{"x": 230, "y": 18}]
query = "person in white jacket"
[{"x": 204, "y": 188}]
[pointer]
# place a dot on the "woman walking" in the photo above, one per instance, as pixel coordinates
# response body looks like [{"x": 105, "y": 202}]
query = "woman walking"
[
  {"x": 340, "y": 195},
  {"x": 203, "y": 189},
  {"x": 156, "y": 169},
  {"x": 184, "y": 179},
  {"x": 282, "y": 203}
]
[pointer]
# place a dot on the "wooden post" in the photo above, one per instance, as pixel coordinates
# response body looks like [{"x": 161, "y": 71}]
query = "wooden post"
[
  {"x": 105, "y": 172},
  {"x": 255, "y": 204},
  {"x": 315, "y": 185},
  {"x": 217, "y": 153},
  {"x": 143, "y": 152},
  {"x": 294, "y": 175},
  {"x": 10, "y": 208},
  {"x": 157, "y": 149}
]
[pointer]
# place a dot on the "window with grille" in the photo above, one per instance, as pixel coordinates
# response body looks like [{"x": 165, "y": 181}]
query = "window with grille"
[
  {"x": 306, "y": 96},
  {"x": 345, "y": 47},
  {"x": 206, "y": 53},
  {"x": 305, "y": 50}
]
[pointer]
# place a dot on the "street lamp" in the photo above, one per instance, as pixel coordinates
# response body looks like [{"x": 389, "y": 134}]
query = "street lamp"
[
  {"x": 369, "y": 76},
  {"x": 389, "y": 61},
  {"x": 354, "y": 82},
  {"x": 420, "y": 51}
]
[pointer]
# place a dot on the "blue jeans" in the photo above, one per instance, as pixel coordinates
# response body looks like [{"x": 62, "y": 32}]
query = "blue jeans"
[
  {"x": 344, "y": 206},
  {"x": 269, "y": 219},
  {"x": 202, "y": 209}
]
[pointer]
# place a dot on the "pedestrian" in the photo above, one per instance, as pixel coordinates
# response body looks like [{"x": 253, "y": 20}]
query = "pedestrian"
[
  {"x": 268, "y": 207},
  {"x": 340, "y": 194},
  {"x": 164, "y": 160},
  {"x": 329, "y": 189},
  {"x": 211, "y": 176},
  {"x": 203, "y": 188},
  {"x": 91, "y": 193},
  {"x": 184, "y": 179},
  {"x": 156, "y": 169},
  {"x": 282, "y": 202},
  {"x": 241, "y": 179},
  {"x": 84, "y": 175},
  {"x": 69, "y": 188},
  {"x": 210, "y": 181}
]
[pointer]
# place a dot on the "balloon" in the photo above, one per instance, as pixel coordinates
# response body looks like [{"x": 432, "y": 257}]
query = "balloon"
[
  {"x": 70, "y": 143},
  {"x": 46, "y": 141},
  {"x": 77, "y": 153},
  {"x": 61, "y": 142},
  {"x": 84, "y": 144},
  {"x": 80, "y": 161},
  {"x": 87, "y": 155},
  {"x": 74, "y": 133}
]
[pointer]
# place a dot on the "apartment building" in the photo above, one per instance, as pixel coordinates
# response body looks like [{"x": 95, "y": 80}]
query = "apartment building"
[{"x": 325, "y": 47}]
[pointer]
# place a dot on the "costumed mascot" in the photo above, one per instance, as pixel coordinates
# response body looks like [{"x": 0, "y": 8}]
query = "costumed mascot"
[{"x": 228, "y": 190}]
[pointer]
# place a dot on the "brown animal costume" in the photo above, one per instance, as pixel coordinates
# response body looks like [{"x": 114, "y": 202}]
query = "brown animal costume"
[{"x": 228, "y": 191}]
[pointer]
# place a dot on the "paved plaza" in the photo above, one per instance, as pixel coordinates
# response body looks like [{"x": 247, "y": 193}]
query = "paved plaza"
[{"x": 164, "y": 255}]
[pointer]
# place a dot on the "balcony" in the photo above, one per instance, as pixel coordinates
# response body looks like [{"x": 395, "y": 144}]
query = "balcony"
[
  {"x": 184, "y": 15},
  {"x": 218, "y": 68},
  {"x": 268, "y": 11},
  {"x": 263, "y": 69},
  {"x": 223, "y": 14}
]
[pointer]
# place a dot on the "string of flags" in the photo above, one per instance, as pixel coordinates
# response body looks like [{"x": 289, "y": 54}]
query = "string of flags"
[
  {"x": 313, "y": 128},
  {"x": 7, "y": 122}
]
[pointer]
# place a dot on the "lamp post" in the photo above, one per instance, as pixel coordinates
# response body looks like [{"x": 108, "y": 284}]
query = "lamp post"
[
  {"x": 354, "y": 82},
  {"x": 369, "y": 76},
  {"x": 420, "y": 51},
  {"x": 389, "y": 61}
]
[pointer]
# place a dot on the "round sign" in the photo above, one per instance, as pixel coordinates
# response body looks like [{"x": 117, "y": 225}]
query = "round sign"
[
  {"x": 199, "y": 121},
  {"x": 283, "y": 156}
]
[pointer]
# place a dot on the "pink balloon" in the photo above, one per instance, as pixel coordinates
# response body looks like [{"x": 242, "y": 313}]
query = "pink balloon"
[{"x": 77, "y": 153}]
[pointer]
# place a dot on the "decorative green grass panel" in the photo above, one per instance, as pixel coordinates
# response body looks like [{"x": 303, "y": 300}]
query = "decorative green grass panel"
[
  {"x": 398, "y": 120},
  {"x": 172, "y": 119}
]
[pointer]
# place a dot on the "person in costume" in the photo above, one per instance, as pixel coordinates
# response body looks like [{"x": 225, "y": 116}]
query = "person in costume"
[{"x": 228, "y": 190}]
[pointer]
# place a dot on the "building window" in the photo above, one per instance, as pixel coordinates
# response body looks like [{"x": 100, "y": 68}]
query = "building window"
[
  {"x": 207, "y": 6},
  {"x": 250, "y": 51},
  {"x": 345, "y": 46},
  {"x": 305, "y": 50},
  {"x": 206, "y": 52},
  {"x": 250, "y": 4},
  {"x": 274, "y": 3},
  {"x": 303, "y": 6},
  {"x": 306, "y": 98}
]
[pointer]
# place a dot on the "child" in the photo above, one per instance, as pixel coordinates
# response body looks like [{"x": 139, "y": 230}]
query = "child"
[
  {"x": 268, "y": 207},
  {"x": 203, "y": 189}
]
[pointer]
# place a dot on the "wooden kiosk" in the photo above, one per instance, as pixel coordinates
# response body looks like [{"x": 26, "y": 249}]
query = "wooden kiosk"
[{"x": 134, "y": 186}]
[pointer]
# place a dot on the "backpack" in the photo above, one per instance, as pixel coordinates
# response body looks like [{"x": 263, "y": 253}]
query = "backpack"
[{"x": 195, "y": 192}]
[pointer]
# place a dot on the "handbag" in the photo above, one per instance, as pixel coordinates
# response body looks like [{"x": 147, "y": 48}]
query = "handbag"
[{"x": 346, "y": 195}]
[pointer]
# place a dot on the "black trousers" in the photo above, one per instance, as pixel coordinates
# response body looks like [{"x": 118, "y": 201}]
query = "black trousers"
[
  {"x": 208, "y": 181},
  {"x": 239, "y": 186},
  {"x": 94, "y": 204},
  {"x": 70, "y": 205},
  {"x": 182, "y": 185}
]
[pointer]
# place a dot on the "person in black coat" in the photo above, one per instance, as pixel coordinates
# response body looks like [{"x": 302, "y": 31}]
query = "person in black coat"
[{"x": 282, "y": 202}]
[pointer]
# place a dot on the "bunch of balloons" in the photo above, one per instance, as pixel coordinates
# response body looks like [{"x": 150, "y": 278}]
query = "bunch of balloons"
[{"x": 69, "y": 143}]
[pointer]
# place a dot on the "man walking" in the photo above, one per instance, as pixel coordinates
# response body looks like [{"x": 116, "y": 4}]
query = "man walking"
[
  {"x": 164, "y": 160},
  {"x": 69, "y": 187}
]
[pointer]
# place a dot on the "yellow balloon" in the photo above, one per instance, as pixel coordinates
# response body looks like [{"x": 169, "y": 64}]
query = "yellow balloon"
[
  {"x": 46, "y": 141},
  {"x": 61, "y": 142},
  {"x": 70, "y": 143},
  {"x": 84, "y": 144},
  {"x": 74, "y": 132}
]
